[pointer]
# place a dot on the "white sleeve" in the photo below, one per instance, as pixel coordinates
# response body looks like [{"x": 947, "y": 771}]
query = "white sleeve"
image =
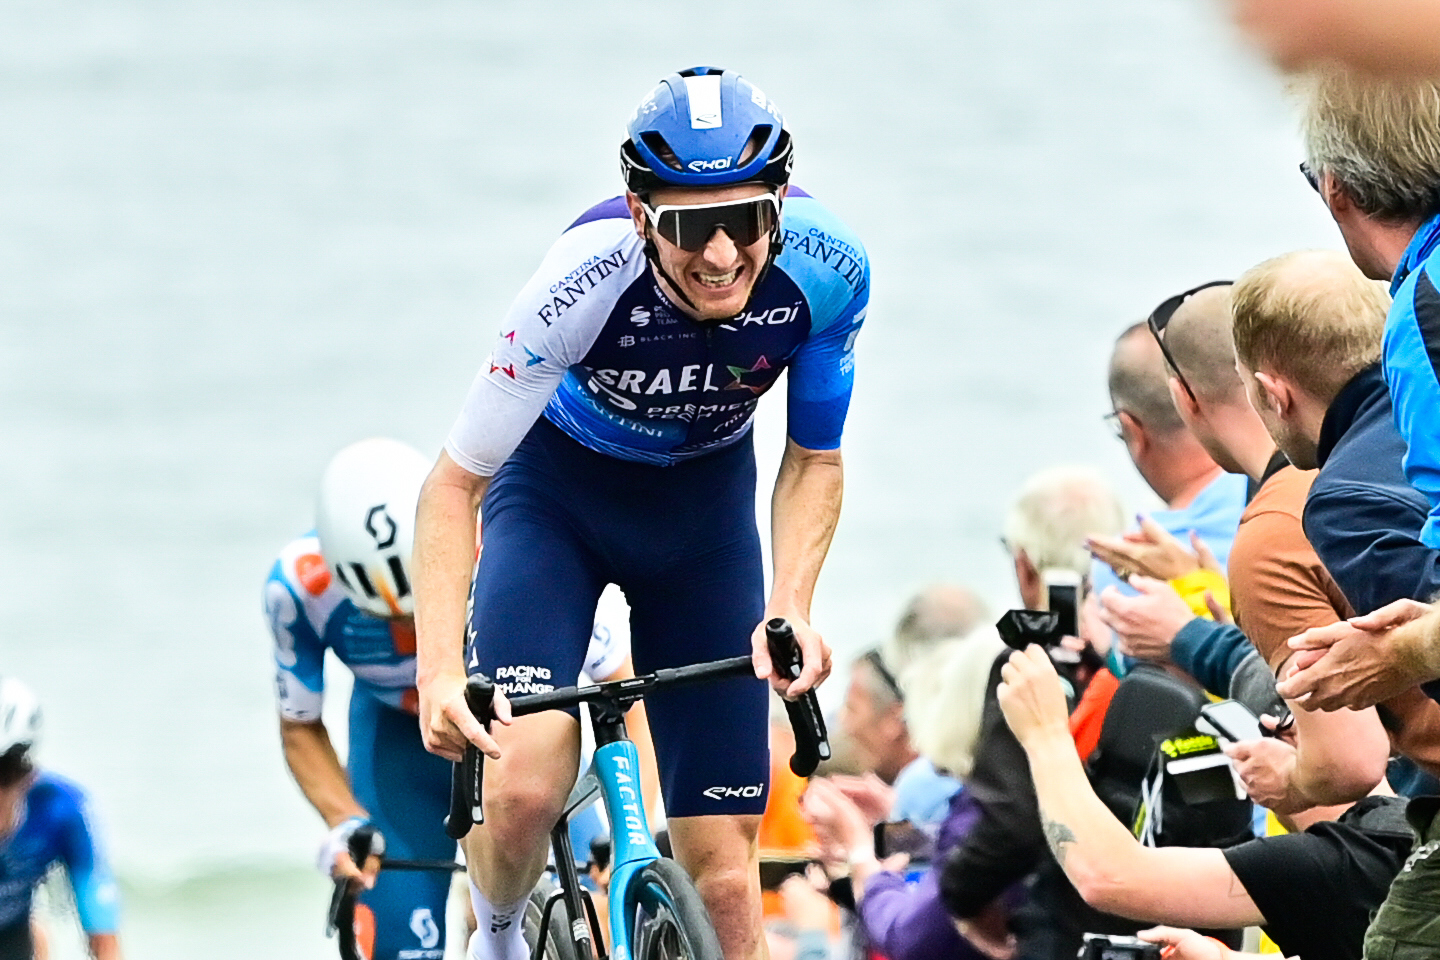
[{"x": 549, "y": 327}]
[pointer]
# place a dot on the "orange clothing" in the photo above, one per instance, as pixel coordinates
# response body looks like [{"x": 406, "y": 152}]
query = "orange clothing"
[{"x": 1089, "y": 714}]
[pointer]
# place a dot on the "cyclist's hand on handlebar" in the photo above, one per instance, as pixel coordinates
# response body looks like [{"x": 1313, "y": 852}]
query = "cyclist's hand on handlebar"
[
  {"x": 446, "y": 723},
  {"x": 335, "y": 858},
  {"x": 814, "y": 655}
]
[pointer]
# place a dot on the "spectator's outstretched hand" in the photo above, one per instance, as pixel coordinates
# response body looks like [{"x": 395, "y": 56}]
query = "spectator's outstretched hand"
[
  {"x": 844, "y": 832},
  {"x": 1151, "y": 551},
  {"x": 1031, "y": 696},
  {"x": 873, "y": 796},
  {"x": 1187, "y": 944},
  {"x": 1146, "y": 623},
  {"x": 1354, "y": 663}
]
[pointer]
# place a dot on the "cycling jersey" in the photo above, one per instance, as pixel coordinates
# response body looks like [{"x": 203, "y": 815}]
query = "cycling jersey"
[
  {"x": 1412, "y": 366},
  {"x": 595, "y": 345},
  {"x": 308, "y": 612},
  {"x": 56, "y": 827}
]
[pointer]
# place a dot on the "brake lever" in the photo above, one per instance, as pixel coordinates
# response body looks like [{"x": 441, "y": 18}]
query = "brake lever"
[
  {"x": 467, "y": 777},
  {"x": 812, "y": 743}
]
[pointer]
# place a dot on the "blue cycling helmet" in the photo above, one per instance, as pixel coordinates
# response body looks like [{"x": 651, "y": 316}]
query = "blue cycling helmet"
[{"x": 705, "y": 127}]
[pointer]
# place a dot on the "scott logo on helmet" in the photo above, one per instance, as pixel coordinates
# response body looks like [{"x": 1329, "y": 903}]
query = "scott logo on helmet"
[
  {"x": 701, "y": 165},
  {"x": 373, "y": 519}
]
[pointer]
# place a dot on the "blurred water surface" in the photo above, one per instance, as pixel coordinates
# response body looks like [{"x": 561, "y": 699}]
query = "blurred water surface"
[{"x": 234, "y": 237}]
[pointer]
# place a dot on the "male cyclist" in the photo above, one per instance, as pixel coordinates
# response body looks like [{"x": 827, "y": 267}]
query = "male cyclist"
[
  {"x": 608, "y": 438},
  {"x": 44, "y": 819},
  {"x": 345, "y": 587}
]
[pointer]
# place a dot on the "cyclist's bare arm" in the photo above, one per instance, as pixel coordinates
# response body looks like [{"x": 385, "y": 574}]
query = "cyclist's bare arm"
[
  {"x": 445, "y": 543},
  {"x": 317, "y": 770},
  {"x": 105, "y": 946},
  {"x": 803, "y": 513}
]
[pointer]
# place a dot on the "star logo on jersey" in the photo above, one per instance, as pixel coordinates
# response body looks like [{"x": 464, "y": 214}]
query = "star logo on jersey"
[
  {"x": 534, "y": 357},
  {"x": 740, "y": 373},
  {"x": 508, "y": 369}
]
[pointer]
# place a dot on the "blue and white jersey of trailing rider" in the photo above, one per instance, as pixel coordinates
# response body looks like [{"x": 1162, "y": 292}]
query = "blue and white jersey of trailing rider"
[
  {"x": 595, "y": 345},
  {"x": 308, "y": 613}
]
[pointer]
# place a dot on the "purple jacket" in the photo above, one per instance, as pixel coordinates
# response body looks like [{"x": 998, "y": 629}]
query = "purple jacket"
[{"x": 908, "y": 922}]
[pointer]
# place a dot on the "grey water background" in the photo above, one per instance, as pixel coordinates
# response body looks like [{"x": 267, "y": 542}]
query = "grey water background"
[{"x": 234, "y": 237}]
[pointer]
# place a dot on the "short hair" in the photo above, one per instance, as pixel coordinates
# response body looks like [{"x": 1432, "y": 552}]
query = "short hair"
[
  {"x": 945, "y": 699},
  {"x": 1378, "y": 137},
  {"x": 1200, "y": 339},
  {"x": 1055, "y": 511},
  {"x": 1139, "y": 381},
  {"x": 1312, "y": 317},
  {"x": 940, "y": 611}
]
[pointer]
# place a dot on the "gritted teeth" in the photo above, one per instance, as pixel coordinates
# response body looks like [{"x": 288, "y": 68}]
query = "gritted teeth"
[{"x": 717, "y": 279}]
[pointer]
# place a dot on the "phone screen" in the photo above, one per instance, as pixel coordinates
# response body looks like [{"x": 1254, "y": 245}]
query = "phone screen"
[
  {"x": 901, "y": 836},
  {"x": 1232, "y": 720},
  {"x": 1065, "y": 600}
]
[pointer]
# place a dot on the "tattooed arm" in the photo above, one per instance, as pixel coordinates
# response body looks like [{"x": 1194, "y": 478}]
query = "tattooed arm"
[{"x": 1183, "y": 886}]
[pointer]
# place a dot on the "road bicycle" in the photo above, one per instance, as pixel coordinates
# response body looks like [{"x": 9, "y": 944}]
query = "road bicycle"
[{"x": 655, "y": 912}]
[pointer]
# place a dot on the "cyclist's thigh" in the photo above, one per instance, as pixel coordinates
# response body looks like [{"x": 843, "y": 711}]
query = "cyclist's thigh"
[
  {"x": 711, "y": 740},
  {"x": 534, "y": 593},
  {"x": 406, "y": 791}
]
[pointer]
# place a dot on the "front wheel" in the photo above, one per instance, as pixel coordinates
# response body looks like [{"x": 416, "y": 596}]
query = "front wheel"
[
  {"x": 558, "y": 945},
  {"x": 671, "y": 922}
]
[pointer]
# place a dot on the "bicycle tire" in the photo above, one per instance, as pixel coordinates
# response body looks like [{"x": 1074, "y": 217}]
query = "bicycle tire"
[
  {"x": 558, "y": 945},
  {"x": 671, "y": 922}
]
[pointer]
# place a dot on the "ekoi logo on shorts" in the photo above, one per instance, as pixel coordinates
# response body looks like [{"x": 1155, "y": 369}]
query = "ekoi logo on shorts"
[{"x": 726, "y": 793}]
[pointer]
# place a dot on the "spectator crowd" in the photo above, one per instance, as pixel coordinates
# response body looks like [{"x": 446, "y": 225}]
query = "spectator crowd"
[{"x": 1229, "y": 744}]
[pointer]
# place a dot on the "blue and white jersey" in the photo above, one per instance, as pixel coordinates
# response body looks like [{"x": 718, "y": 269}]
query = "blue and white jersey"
[
  {"x": 1411, "y": 361},
  {"x": 56, "y": 827},
  {"x": 308, "y": 613},
  {"x": 595, "y": 345}
]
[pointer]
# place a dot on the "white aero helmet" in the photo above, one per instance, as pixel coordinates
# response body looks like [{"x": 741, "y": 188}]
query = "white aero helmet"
[
  {"x": 19, "y": 716},
  {"x": 366, "y": 522}
]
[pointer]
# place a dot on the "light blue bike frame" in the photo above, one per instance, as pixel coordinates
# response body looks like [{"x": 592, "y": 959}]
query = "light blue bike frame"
[{"x": 615, "y": 774}]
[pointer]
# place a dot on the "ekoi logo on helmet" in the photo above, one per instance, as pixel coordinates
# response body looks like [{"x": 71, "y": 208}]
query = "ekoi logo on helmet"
[{"x": 700, "y": 166}]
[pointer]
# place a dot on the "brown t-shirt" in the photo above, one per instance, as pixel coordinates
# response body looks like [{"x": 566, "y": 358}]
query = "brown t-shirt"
[{"x": 1279, "y": 587}]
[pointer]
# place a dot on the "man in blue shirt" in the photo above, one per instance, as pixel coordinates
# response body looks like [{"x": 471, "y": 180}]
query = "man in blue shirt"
[{"x": 1199, "y": 496}]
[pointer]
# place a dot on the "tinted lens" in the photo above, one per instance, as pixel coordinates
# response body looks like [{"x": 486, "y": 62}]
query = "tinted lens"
[{"x": 690, "y": 228}]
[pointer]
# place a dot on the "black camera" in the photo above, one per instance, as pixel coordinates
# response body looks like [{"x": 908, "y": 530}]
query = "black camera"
[
  {"x": 1098, "y": 946},
  {"x": 1020, "y": 628}
]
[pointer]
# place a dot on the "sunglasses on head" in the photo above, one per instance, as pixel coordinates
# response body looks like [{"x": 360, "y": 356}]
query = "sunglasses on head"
[
  {"x": 1160, "y": 317},
  {"x": 690, "y": 227},
  {"x": 877, "y": 663},
  {"x": 1311, "y": 177}
]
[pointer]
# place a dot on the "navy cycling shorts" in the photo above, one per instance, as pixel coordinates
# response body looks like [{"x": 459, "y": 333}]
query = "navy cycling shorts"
[
  {"x": 407, "y": 792},
  {"x": 561, "y": 521}
]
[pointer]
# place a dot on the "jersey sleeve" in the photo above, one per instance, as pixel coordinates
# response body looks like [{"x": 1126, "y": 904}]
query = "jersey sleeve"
[
  {"x": 550, "y": 326},
  {"x": 299, "y": 651},
  {"x": 834, "y": 270},
  {"x": 97, "y": 897}
]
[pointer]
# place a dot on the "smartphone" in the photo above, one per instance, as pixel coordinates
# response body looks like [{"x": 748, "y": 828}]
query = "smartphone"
[
  {"x": 1063, "y": 591},
  {"x": 902, "y": 836},
  {"x": 774, "y": 871},
  {"x": 1232, "y": 720},
  {"x": 1098, "y": 946}
]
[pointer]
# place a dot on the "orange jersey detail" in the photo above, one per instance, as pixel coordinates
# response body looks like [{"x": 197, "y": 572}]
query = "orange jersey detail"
[
  {"x": 402, "y": 634},
  {"x": 312, "y": 573}
]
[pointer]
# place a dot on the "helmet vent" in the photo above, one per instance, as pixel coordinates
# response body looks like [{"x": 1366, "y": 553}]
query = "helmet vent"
[
  {"x": 397, "y": 570},
  {"x": 752, "y": 146},
  {"x": 661, "y": 149},
  {"x": 340, "y": 572},
  {"x": 363, "y": 579}
]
